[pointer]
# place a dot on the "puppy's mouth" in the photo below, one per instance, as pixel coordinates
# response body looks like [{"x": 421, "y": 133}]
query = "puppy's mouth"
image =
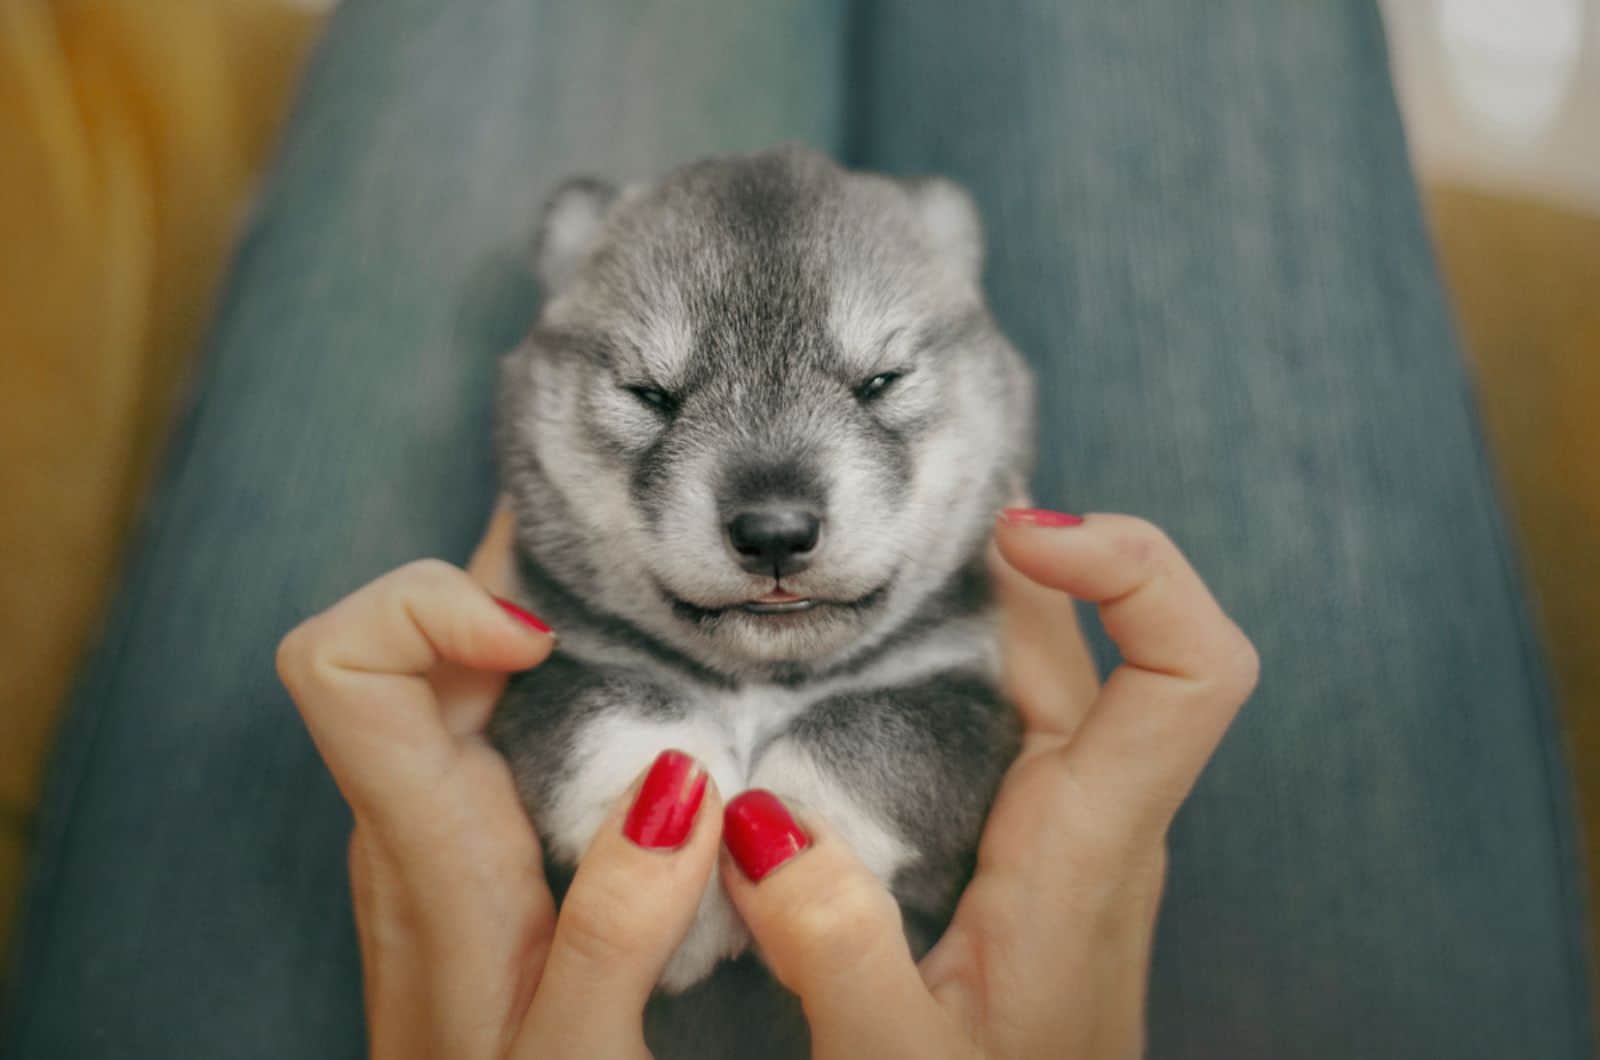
[{"x": 778, "y": 602}]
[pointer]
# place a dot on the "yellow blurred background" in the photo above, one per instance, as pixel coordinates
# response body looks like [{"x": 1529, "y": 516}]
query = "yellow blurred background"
[{"x": 134, "y": 133}]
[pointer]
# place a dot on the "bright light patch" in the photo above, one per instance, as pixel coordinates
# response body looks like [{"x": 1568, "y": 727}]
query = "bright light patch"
[{"x": 1512, "y": 62}]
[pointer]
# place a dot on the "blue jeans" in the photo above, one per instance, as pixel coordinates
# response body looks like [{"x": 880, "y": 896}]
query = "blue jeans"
[{"x": 1203, "y": 231}]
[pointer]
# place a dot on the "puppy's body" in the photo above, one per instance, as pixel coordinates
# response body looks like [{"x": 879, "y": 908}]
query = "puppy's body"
[{"x": 753, "y": 446}]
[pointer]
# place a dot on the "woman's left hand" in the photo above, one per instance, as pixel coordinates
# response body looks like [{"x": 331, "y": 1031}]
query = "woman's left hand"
[{"x": 1049, "y": 950}]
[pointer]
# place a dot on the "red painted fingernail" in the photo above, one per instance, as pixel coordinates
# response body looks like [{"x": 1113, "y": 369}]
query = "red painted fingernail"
[
  {"x": 1039, "y": 517},
  {"x": 760, "y": 833},
  {"x": 663, "y": 813},
  {"x": 526, "y": 617}
]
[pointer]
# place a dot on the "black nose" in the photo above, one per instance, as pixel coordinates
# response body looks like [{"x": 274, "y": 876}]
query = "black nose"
[{"x": 774, "y": 541}]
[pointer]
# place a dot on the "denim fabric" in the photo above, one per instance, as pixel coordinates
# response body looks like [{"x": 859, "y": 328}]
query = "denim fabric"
[{"x": 1204, "y": 233}]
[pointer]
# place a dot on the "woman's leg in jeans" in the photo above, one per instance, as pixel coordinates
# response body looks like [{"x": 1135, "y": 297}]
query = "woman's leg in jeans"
[
  {"x": 1203, "y": 230},
  {"x": 190, "y": 898}
]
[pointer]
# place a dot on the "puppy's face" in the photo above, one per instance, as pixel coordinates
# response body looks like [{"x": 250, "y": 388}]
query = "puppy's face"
[{"x": 764, "y": 413}]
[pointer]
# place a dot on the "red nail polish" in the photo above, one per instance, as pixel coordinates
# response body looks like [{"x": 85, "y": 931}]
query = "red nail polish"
[
  {"x": 663, "y": 812},
  {"x": 760, "y": 834},
  {"x": 1039, "y": 517},
  {"x": 526, "y": 617}
]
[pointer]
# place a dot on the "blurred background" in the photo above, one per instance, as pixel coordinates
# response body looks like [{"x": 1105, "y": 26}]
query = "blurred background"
[
  {"x": 1501, "y": 100},
  {"x": 133, "y": 135}
]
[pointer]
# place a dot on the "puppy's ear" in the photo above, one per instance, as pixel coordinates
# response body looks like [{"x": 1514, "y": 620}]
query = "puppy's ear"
[
  {"x": 950, "y": 218},
  {"x": 573, "y": 217}
]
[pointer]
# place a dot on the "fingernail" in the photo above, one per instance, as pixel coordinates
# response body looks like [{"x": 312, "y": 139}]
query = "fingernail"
[
  {"x": 760, "y": 834},
  {"x": 526, "y": 617},
  {"x": 1038, "y": 517},
  {"x": 663, "y": 812}
]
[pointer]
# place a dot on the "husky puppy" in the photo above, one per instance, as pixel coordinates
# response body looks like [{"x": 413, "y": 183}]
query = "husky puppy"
[{"x": 754, "y": 444}]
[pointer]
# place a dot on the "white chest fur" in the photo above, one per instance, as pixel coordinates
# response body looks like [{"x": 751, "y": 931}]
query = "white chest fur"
[
  {"x": 723, "y": 730},
  {"x": 736, "y": 735}
]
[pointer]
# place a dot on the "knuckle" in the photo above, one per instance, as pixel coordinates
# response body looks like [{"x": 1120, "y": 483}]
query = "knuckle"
[
  {"x": 1142, "y": 530},
  {"x": 430, "y": 572},
  {"x": 836, "y": 928},
  {"x": 1236, "y": 665},
  {"x": 430, "y": 585},
  {"x": 287, "y": 660},
  {"x": 307, "y": 660},
  {"x": 596, "y": 924},
  {"x": 594, "y": 937},
  {"x": 399, "y": 589},
  {"x": 297, "y": 657},
  {"x": 1147, "y": 545}
]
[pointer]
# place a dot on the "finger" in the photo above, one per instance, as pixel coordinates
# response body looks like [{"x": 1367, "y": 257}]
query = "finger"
[
  {"x": 1186, "y": 667},
  {"x": 468, "y": 696},
  {"x": 635, "y": 894},
  {"x": 491, "y": 560},
  {"x": 1047, "y": 668},
  {"x": 358, "y": 673},
  {"x": 829, "y": 931},
  {"x": 1049, "y": 672}
]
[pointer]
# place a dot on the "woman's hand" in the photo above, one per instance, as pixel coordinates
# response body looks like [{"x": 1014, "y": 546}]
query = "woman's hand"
[
  {"x": 462, "y": 952},
  {"x": 1049, "y": 951}
]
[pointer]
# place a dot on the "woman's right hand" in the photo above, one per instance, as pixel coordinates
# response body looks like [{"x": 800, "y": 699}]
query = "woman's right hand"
[{"x": 462, "y": 952}]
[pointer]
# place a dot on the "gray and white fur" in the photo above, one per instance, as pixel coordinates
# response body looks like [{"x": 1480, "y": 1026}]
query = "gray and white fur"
[{"x": 770, "y": 337}]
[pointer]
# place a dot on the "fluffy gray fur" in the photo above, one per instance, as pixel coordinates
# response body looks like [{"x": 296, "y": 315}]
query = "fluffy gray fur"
[{"x": 705, "y": 348}]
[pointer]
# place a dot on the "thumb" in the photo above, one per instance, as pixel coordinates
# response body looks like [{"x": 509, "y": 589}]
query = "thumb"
[
  {"x": 829, "y": 931},
  {"x": 630, "y": 904}
]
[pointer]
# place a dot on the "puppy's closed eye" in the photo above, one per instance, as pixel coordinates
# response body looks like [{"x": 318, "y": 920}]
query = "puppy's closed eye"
[
  {"x": 874, "y": 388},
  {"x": 653, "y": 397}
]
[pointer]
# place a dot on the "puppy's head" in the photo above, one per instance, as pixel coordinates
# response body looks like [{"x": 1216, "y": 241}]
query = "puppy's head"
[{"x": 764, "y": 413}]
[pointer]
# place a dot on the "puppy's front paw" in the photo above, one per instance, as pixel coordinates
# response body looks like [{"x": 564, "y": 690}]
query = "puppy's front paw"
[
  {"x": 789, "y": 771},
  {"x": 716, "y": 935}
]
